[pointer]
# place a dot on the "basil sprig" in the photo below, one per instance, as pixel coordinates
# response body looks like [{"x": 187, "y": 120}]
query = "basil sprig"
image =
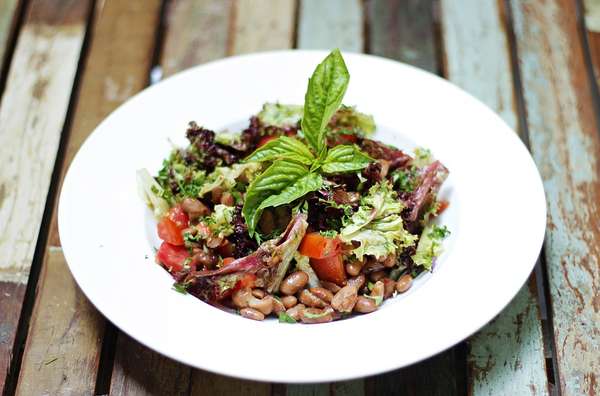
[{"x": 296, "y": 168}]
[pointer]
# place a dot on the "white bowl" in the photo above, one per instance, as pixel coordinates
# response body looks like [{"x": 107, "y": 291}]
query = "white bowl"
[{"x": 497, "y": 217}]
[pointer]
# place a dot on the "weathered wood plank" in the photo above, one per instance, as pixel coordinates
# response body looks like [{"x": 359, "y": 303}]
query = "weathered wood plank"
[
  {"x": 65, "y": 326},
  {"x": 507, "y": 356},
  {"x": 205, "y": 383},
  {"x": 62, "y": 351},
  {"x": 140, "y": 371},
  {"x": 331, "y": 24},
  {"x": 592, "y": 24},
  {"x": 441, "y": 375},
  {"x": 403, "y": 30},
  {"x": 565, "y": 144},
  {"x": 8, "y": 15},
  {"x": 196, "y": 32},
  {"x": 32, "y": 114},
  {"x": 262, "y": 25}
]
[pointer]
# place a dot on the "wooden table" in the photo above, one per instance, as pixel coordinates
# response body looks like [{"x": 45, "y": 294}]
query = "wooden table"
[{"x": 68, "y": 63}]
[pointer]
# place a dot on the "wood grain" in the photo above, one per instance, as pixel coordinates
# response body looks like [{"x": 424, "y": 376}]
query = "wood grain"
[
  {"x": 403, "y": 30},
  {"x": 140, "y": 371},
  {"x": 262, "y": 25},
  {"x": 205, "y": 383},
  {"x": 197, "y": 32},
  {"x": 65, "y": 336},
  {"x": 565, "y": 144},
  {"x": 32, "y": 115},
  {"x": 506, "y": 356},
  {"x": 8, "y": 16},
  {"x": 331, "y": 24},
  {"x": 592, "y": 24}
]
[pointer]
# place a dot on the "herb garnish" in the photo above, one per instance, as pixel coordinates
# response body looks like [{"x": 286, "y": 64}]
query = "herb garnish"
[{"x": 296, "y": 168}]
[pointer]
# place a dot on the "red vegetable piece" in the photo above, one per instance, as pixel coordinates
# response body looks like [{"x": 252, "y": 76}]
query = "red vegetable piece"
[
  {"x": 330, "y": 269},
  {"x": 171, "y": 256},
  {"x": 315, "y": 245}
]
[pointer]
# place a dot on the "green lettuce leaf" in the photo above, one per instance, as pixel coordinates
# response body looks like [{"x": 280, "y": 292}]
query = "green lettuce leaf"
[
  {"x": 220, "y": 221},
  {"x": 282, "y": 148},
  {"x": 430, "y": 245},
  {"x": 151, "y": 193},
  {"x": 377, "y": 224},
  {"x": 282, "y": 182},
  {"x": 326, "y": 88},
  {"x": 280, "y": 115},
  {"x": 225, "y": 176},
  {"x": 345, "y": 158}
]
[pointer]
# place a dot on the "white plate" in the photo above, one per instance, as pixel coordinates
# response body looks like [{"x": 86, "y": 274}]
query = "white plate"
[{"x": 497, "y": 217}]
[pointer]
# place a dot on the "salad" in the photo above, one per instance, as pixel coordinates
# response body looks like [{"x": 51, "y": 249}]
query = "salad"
[{"x": 301, "y": 215}]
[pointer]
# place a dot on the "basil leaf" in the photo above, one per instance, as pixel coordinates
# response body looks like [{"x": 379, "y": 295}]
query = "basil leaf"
[
  {"x": 282, "y": 148},
  {"x": 304, "y": 185},
  {"x": 282, "y": 182},
  {"x": 345, "y": 158},
  {"x": 326, "y": 88}
]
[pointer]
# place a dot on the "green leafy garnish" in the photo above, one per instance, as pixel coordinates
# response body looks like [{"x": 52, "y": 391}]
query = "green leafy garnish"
[
  {"x": 423, "y": 157},
  {"x": 406, "y": 179},
  {"x": 345, "y": 158},
  {"x": 430, "y": 245},
  {"x": 283, "y": 148},
  {"x": 377, "y": 224},
  {"x": 285, "y": 318},
  {"x": 282, "y": 183},
  {"x": 180, "y": 288},
  {"x": 280, "y": 115},
  {"x": 296, "y": 168},
  {"x": 326, "y": 89}
]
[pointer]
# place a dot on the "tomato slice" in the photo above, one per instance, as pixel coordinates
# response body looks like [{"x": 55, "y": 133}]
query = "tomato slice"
[
  {"x": 330, "y": 269},
  {"x": 179, "y": 217},
  {"x": 266, "y": 139},
  {"x": 171, "y": 227},
  {"x": 169, "y": 232},
  {"x": 171, "y": 256},
  {"x": 315, "y": 245}
]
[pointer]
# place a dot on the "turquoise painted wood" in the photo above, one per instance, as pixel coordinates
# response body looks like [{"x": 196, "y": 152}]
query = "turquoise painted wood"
[
  {"x": 331, "y": 24},
  {"x": 403, "y": 30},
  {"x": 565, "y": 143},
  {"x": 507, "y": 356}
]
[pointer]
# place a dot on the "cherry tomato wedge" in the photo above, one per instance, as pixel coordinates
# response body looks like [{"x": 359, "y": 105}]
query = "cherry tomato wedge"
[
  {"x": 266, "y": 139},
  {"x": 330, "y": 269},
  {"x": 172, "y": 225},
  {"x": 179, "y": 217},
  {"x": 228, "y": 260},
  {"x": 169, "y": 232},
  {"x": 315, "y": 245},
  {"x": 172, "y": 257}
]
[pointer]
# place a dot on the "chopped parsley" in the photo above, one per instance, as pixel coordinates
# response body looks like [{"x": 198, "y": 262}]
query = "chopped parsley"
[
  {"x": 180, "y": 287},
  {"x": 406, "y": 180},
  {"x": 285, "y": 318}
]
